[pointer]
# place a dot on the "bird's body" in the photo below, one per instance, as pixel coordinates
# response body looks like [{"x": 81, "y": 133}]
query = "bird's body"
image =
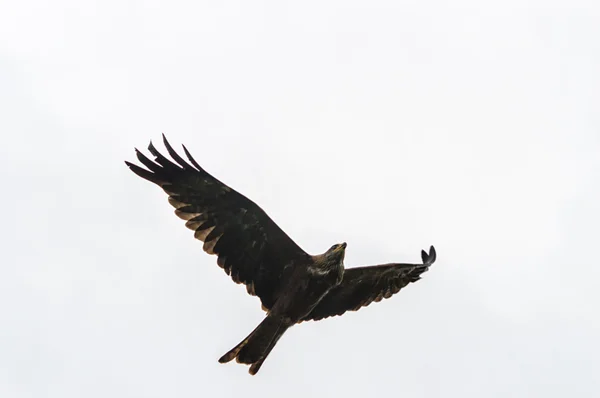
[
  {"x": 293, "y": 286},
  {"x": 309, "y": 284}
]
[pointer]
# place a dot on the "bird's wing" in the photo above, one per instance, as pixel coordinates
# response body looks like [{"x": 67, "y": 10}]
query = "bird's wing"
[
  {"x": 250, "y": 247},
  {"x": 363, "y": 285}
]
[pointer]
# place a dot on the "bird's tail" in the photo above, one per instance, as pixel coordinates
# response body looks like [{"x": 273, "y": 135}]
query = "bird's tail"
[{"x": 255, "y": 348}]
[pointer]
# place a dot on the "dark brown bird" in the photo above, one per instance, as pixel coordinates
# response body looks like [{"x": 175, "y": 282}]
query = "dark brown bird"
[{"x": 292, "y": 285}]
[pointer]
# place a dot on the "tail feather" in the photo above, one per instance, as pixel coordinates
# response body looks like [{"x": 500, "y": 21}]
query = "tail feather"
[
  {"x": 255, "y": 348},
  {"x": 255, "y": 367}
]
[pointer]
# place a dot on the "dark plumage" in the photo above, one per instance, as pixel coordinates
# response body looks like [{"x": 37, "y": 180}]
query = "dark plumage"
[{"x": 292, "y": 285}]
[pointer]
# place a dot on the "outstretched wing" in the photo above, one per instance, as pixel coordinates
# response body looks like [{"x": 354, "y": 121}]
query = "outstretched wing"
[
  {"x": 250, "y": 247},
  {"x": 363, "y": 285}
]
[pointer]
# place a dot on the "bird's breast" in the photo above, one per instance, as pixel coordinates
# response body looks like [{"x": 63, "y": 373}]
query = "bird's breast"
[{"x": 305, "y": 290}]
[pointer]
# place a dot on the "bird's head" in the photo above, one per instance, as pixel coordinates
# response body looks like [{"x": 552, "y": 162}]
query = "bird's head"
[{"x": 336, "y": 252}]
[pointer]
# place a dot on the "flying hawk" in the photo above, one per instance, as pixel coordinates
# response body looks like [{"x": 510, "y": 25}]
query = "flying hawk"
[{"x": 293, "y": 286}]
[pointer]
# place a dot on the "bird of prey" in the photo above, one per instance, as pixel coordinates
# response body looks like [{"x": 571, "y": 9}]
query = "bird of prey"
[{"x": 293, "y": 286}]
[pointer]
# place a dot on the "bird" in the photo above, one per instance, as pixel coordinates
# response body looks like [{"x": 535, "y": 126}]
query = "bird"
[{"x": 292, "y": 285}]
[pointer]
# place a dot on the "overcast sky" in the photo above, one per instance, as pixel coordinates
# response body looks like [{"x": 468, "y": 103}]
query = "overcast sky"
[{"x": 391, "y": 125}]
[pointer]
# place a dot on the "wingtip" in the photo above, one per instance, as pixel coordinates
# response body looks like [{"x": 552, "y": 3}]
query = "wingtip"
[
  {"x": 151, "y": 148},
  {"x": 429, "y": 258},
  {"x": 191, "y": 159}
]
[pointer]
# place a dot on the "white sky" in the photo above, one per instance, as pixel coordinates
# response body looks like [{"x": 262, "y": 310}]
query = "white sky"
[{"x": 391, "y": 125}]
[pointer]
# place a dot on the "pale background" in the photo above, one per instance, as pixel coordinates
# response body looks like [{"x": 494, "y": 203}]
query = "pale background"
[{"x": 392, "y": 125}]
